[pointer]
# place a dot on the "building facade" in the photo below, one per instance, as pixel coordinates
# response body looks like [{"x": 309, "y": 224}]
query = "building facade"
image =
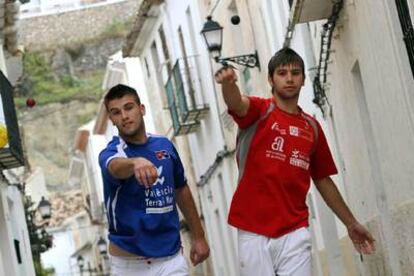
[
  {"x": 366, "y": 94},
  {"x": 181, "y": 92},
  {"x": 349, "y": 78},
  {"x": 15, "y": 250},
  {"x": 178, "y": 72}
]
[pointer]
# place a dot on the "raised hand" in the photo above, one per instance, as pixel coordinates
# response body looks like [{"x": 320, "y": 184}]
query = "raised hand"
[
  {"x": 145, "y": 172},
  {"x": 361, "y": 238},
  {"x": 226, "y": 74}
]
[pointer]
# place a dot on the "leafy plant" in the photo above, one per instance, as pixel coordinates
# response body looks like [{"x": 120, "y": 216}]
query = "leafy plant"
[
  {"x": 40, "y": 271},
  {"x": 40, "y": 82},
  {"x": 116, "y": 29}
]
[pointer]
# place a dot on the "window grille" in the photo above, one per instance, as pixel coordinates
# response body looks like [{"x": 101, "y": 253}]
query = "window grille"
[{"x": 407, "y": 29}]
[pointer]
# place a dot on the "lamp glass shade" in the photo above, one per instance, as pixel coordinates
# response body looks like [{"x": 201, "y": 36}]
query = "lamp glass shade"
[
  {"x": 80, "y": 261},
  {"x": 102, "y": 246},
  {"x": 213, "y": 36},
  {"x": 44, "y": 208}
]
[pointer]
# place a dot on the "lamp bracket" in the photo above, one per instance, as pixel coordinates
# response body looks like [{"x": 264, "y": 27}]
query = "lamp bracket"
[{"x": 251, "y": 60}]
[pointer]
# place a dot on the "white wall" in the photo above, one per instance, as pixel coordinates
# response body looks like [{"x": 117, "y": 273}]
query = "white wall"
[
  {"x": 136, "y": 80},
  {"x": 13, "y": 227},
  {"x": 184, "y": 14},
  {"x": 263, "y": 27},
  {"x": 372, "y": 116},
  {"x": 36, "y": 185},
  {"x": 58, "y": 256},
  {"x": 266, "y": 35},
  {"x": 12, "y": 217},
  {"x": 211, "y": 138}
]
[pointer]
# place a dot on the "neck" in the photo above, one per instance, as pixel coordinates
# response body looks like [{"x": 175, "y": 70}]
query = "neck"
[
  {"x": 287, "y": 105},
  {"x": 139, "y": 138}
]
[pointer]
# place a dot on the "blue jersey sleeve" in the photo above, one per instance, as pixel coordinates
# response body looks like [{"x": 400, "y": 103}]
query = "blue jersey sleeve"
[
  {"x": 179, "y": 176},
  {"x": 105, "y": 158}
]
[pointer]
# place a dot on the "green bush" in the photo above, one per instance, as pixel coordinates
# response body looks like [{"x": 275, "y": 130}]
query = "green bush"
[
  {"x": 40, "y": 271},
  {"x": 46, "y": 87}
]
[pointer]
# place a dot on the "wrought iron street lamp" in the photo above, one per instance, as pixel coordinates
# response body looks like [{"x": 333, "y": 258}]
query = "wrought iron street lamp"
[
  {"x": 45, "y": 208},
  {"x": 81, "y": 263},
  {"x": 102, "y": 246},
  {"x": 40, "y": 239},
  {"x": 213, "y": 36}
]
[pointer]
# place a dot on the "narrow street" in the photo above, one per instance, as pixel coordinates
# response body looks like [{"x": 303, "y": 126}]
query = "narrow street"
[{"x": 291, "y": 122}]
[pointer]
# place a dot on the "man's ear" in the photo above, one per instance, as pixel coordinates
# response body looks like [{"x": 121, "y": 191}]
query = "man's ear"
[
  {"x": 110, "y": 117},
  {"x": 270, "y": 80},
  {"x": 142, "y": 109}
]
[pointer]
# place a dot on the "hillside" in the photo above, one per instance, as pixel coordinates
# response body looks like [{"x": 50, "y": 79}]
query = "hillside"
[{"x": 65, "y": 80}]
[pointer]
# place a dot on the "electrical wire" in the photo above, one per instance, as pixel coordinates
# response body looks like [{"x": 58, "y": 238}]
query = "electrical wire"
[{"x": 214, "y": 7}]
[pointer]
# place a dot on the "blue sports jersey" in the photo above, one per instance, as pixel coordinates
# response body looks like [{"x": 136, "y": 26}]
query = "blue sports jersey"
[{"x": 144, "y": 221}]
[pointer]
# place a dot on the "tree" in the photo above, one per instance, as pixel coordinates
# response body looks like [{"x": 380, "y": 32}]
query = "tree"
[{"x": 40, "y": 239}]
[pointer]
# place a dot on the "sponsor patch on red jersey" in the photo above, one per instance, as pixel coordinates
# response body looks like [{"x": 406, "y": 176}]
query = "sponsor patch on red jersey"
[
  {"x": 306, "y": 134},
  {"x": 162, "y": 154}
]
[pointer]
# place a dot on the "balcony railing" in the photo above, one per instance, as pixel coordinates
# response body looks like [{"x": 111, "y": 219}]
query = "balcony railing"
[
  {"x": 180, "y": 127},
  {"x": 407, "y": 29},
  {"x": 11, "y": 156},
  {"x": 183, "y": 90},
  {"x": 310, "y": 10}
]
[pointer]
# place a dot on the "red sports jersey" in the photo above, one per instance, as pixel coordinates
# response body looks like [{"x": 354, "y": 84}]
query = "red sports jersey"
[{"x": 276, "y": 155}]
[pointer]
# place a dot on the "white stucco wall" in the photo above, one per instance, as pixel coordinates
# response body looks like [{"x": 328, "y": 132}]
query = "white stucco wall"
[
  {"x": 372, "y": 102},
  {"x": 373, "y": 160},
  {"x": 58, "y": 257},
  {"x": 36, "y": 185},
  {"x": 266, "y": 35},
  {"x": 13, "y": 227}
]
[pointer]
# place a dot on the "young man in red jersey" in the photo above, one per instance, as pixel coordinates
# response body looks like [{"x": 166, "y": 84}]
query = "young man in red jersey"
[{"x": 279, "y": 149}]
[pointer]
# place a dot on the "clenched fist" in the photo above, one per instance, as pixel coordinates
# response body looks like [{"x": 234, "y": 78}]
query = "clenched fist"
[
  {"x": 145, "y": 172},
  {"x": 226, "y": 74}
]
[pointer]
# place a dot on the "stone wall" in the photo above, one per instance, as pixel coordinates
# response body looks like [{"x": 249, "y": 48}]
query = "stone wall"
[
  {"x": 49, "y": 133},
  {"x": 49, "y": 31}
]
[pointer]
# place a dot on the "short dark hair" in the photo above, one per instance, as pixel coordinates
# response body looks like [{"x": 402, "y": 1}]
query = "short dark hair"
[
  {"x": 119, "y": 91},
  {"x": 285, "y": 56}
]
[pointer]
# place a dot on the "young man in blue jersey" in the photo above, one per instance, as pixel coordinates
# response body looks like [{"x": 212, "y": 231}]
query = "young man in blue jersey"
[{"x": 143, "y": 180}]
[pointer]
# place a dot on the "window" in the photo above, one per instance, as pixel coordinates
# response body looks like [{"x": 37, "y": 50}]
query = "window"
[
  {"x": 158, "y": 71},
  {"x": 17, "y": 248},
  {"x": 185, "y": 61},
  {"x": 165, "y": 49},
  {"x": 187, "y": 83},
  {"x": 407, "y": 29},
  {"x": 147, "y": 68}
]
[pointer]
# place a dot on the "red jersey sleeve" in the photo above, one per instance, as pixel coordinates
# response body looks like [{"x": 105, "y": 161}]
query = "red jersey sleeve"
[
  {"x": 257, "y": 107},
  {"x": 322, "y": 163}
]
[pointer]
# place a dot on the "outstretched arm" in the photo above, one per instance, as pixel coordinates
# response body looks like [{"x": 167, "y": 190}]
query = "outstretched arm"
[
  {"x": 199, "y": 248},
  {"x": 233, "y": 98},
  {"x": 361, "y": 238},
  {"x": 144, "y": 171}
]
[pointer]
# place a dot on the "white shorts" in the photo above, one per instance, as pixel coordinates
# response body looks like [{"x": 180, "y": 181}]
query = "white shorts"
[
  {"x": 175, "y": 265},
  {"x": 283, "y": 256}
]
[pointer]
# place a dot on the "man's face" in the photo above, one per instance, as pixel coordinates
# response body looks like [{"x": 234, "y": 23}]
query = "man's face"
[
  {"x": 287, "y": 80},
  {"x": 127, "y": 115}
]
